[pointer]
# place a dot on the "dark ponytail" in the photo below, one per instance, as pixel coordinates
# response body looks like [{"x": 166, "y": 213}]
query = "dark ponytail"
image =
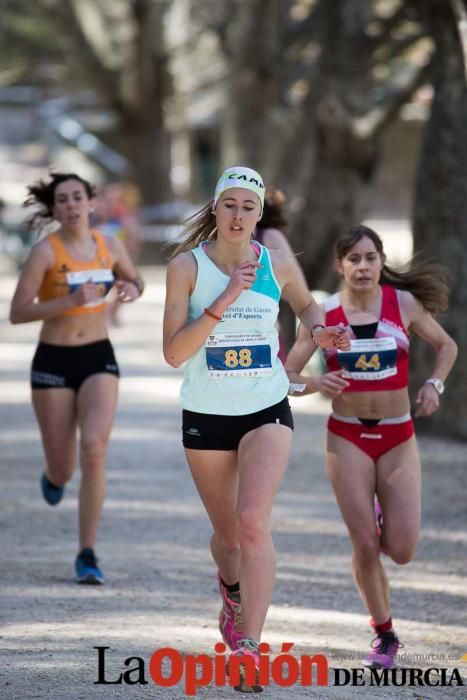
[{"x": 273, "y": 211}]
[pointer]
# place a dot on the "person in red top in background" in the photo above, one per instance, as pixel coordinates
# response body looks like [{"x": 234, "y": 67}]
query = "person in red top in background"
[
  {"x": 74, "y": 374},
  {"x": 371, "y": 447}
]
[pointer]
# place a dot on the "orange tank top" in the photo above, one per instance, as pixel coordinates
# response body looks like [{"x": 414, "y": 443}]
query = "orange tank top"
[{"x": 67, "y": 274}]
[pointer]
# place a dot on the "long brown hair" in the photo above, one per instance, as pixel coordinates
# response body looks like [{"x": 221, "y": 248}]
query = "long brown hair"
[
  {"x": 428, "y": 282},
  {"x": 199, "y": 227}
]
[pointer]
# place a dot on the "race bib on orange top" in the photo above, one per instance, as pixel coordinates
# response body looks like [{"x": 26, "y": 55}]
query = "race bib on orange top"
[
  {"x": 103, "y": 278},
  {"x": 369, "y": 359},
  {"x": 238, "y": 355}
]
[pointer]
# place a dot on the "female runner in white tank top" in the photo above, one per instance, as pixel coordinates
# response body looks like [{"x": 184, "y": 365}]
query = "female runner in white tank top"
[{"x": 221, "y": 307}]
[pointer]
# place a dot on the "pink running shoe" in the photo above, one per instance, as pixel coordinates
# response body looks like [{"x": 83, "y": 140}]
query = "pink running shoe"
[
  {"x": 230, "y": 618},
  {"x": 384, "y": 649},
  {"x": 379, "y": 521},
  {"x": 378, "y": 515},
  {"x": 247, "y": 662}
]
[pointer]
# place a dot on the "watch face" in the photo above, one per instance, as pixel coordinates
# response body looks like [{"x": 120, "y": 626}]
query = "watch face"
[{"x": 438, "y": 384}]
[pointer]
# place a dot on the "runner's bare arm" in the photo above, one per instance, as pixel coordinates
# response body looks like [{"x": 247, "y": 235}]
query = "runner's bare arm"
[
  {"x": 24, "y": 306},
  {"x": 129, "y": 283},
  {"x": 419, "y": 320},
  {"x": 306, "y": 308},
  {"x": 274, "y": 238},
  {"x": 330, "y": 384}
]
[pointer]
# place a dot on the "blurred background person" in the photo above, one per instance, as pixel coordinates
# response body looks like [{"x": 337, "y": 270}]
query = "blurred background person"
[{"x": 116, "y": 215}]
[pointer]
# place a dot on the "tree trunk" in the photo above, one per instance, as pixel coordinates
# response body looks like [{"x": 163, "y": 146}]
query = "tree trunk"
[
  {"x": 255, "y": 84},
  {"x": 148, "y": 148},
  {"x": 146, "y": 85},
  {"x": 330, "y": 207},
  {"x": 136, "y": 86},
  {"x": 328, "y": 161},
  {"x": 440, "y": 211}
]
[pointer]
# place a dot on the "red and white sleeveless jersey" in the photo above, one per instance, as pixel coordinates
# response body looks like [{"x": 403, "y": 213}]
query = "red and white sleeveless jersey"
[{"x": 380, "y": 363}]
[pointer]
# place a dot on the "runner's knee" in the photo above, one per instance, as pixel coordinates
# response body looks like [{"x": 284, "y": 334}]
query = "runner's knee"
[
  {"x": 228, "y": 543},
  {"x": 61, "y": 470},
  {"x": 93, "y": 449},
  {"x": 401, "y": 552},
  {"x": 366, "y": 549},
  {"x": 252, "y": 527}
]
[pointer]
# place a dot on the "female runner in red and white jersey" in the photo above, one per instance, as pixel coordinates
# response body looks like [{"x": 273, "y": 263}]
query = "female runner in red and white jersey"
[{"x": 371, "y": 446}]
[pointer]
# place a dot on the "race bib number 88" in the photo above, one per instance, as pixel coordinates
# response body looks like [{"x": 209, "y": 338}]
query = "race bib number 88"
[{"x": 238, "y": 355}]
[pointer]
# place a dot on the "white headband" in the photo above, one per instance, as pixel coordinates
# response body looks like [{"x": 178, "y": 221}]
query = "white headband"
[{"x": 240, "y": 176}]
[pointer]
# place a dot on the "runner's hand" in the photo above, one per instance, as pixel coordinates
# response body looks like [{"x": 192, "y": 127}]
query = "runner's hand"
[
  {"x": 427, "y": 400},
  {"x": 85, "y": 294},
  {"x": 243, "y": 277},
  {"x": 126, "y": 291},
  {"x": 332, "y": 384},
  {"x": 332, "y": 337}
]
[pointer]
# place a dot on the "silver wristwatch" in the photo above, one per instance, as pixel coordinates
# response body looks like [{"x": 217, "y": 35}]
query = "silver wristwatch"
[{"x": 437, "y": 383}]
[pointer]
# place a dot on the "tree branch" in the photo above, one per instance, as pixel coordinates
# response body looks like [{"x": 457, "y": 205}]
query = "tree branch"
[
  {"x": 460, "y": 13},
  {"x": 68, "y": 24},
  {"x": 388, "y": 26},
  {"x": 300, "y": 33},
  {"x": 396, "y": 47},
  {"x": 372, "y": 123}
]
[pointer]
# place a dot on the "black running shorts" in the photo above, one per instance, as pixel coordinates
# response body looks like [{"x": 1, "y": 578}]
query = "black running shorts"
[
  {"x": 67, "y": 366},
  {"x": 207, "y": 431}
]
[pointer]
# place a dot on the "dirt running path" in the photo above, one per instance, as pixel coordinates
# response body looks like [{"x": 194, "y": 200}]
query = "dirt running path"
[{"x": 161, "y": 588}]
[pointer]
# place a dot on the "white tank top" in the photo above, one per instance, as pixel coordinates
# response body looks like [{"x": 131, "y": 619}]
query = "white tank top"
[{"x": 237, "y": 370}]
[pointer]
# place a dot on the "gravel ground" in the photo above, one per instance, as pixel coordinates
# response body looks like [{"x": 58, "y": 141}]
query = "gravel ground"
[{"x": 161, "y": 586}]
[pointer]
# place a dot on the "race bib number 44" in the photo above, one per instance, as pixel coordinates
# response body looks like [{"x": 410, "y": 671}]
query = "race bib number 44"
[
  {"x": 369, "y": 359},
  {"x": 238, "y": 355}
]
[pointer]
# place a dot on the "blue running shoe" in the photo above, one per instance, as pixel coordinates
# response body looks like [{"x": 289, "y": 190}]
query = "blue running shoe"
[
  {"x": 52, "y": 494},
  {"x": 86, "y": 567}
]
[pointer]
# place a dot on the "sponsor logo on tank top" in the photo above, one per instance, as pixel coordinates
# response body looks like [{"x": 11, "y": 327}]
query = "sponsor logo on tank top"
[{"x": 391, "y": 323}]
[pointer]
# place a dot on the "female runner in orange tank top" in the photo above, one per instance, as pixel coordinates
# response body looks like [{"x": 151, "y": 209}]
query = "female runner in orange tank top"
[
  {"x": 371, "y": 447},
  {"x": 74, "y": 374}
]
